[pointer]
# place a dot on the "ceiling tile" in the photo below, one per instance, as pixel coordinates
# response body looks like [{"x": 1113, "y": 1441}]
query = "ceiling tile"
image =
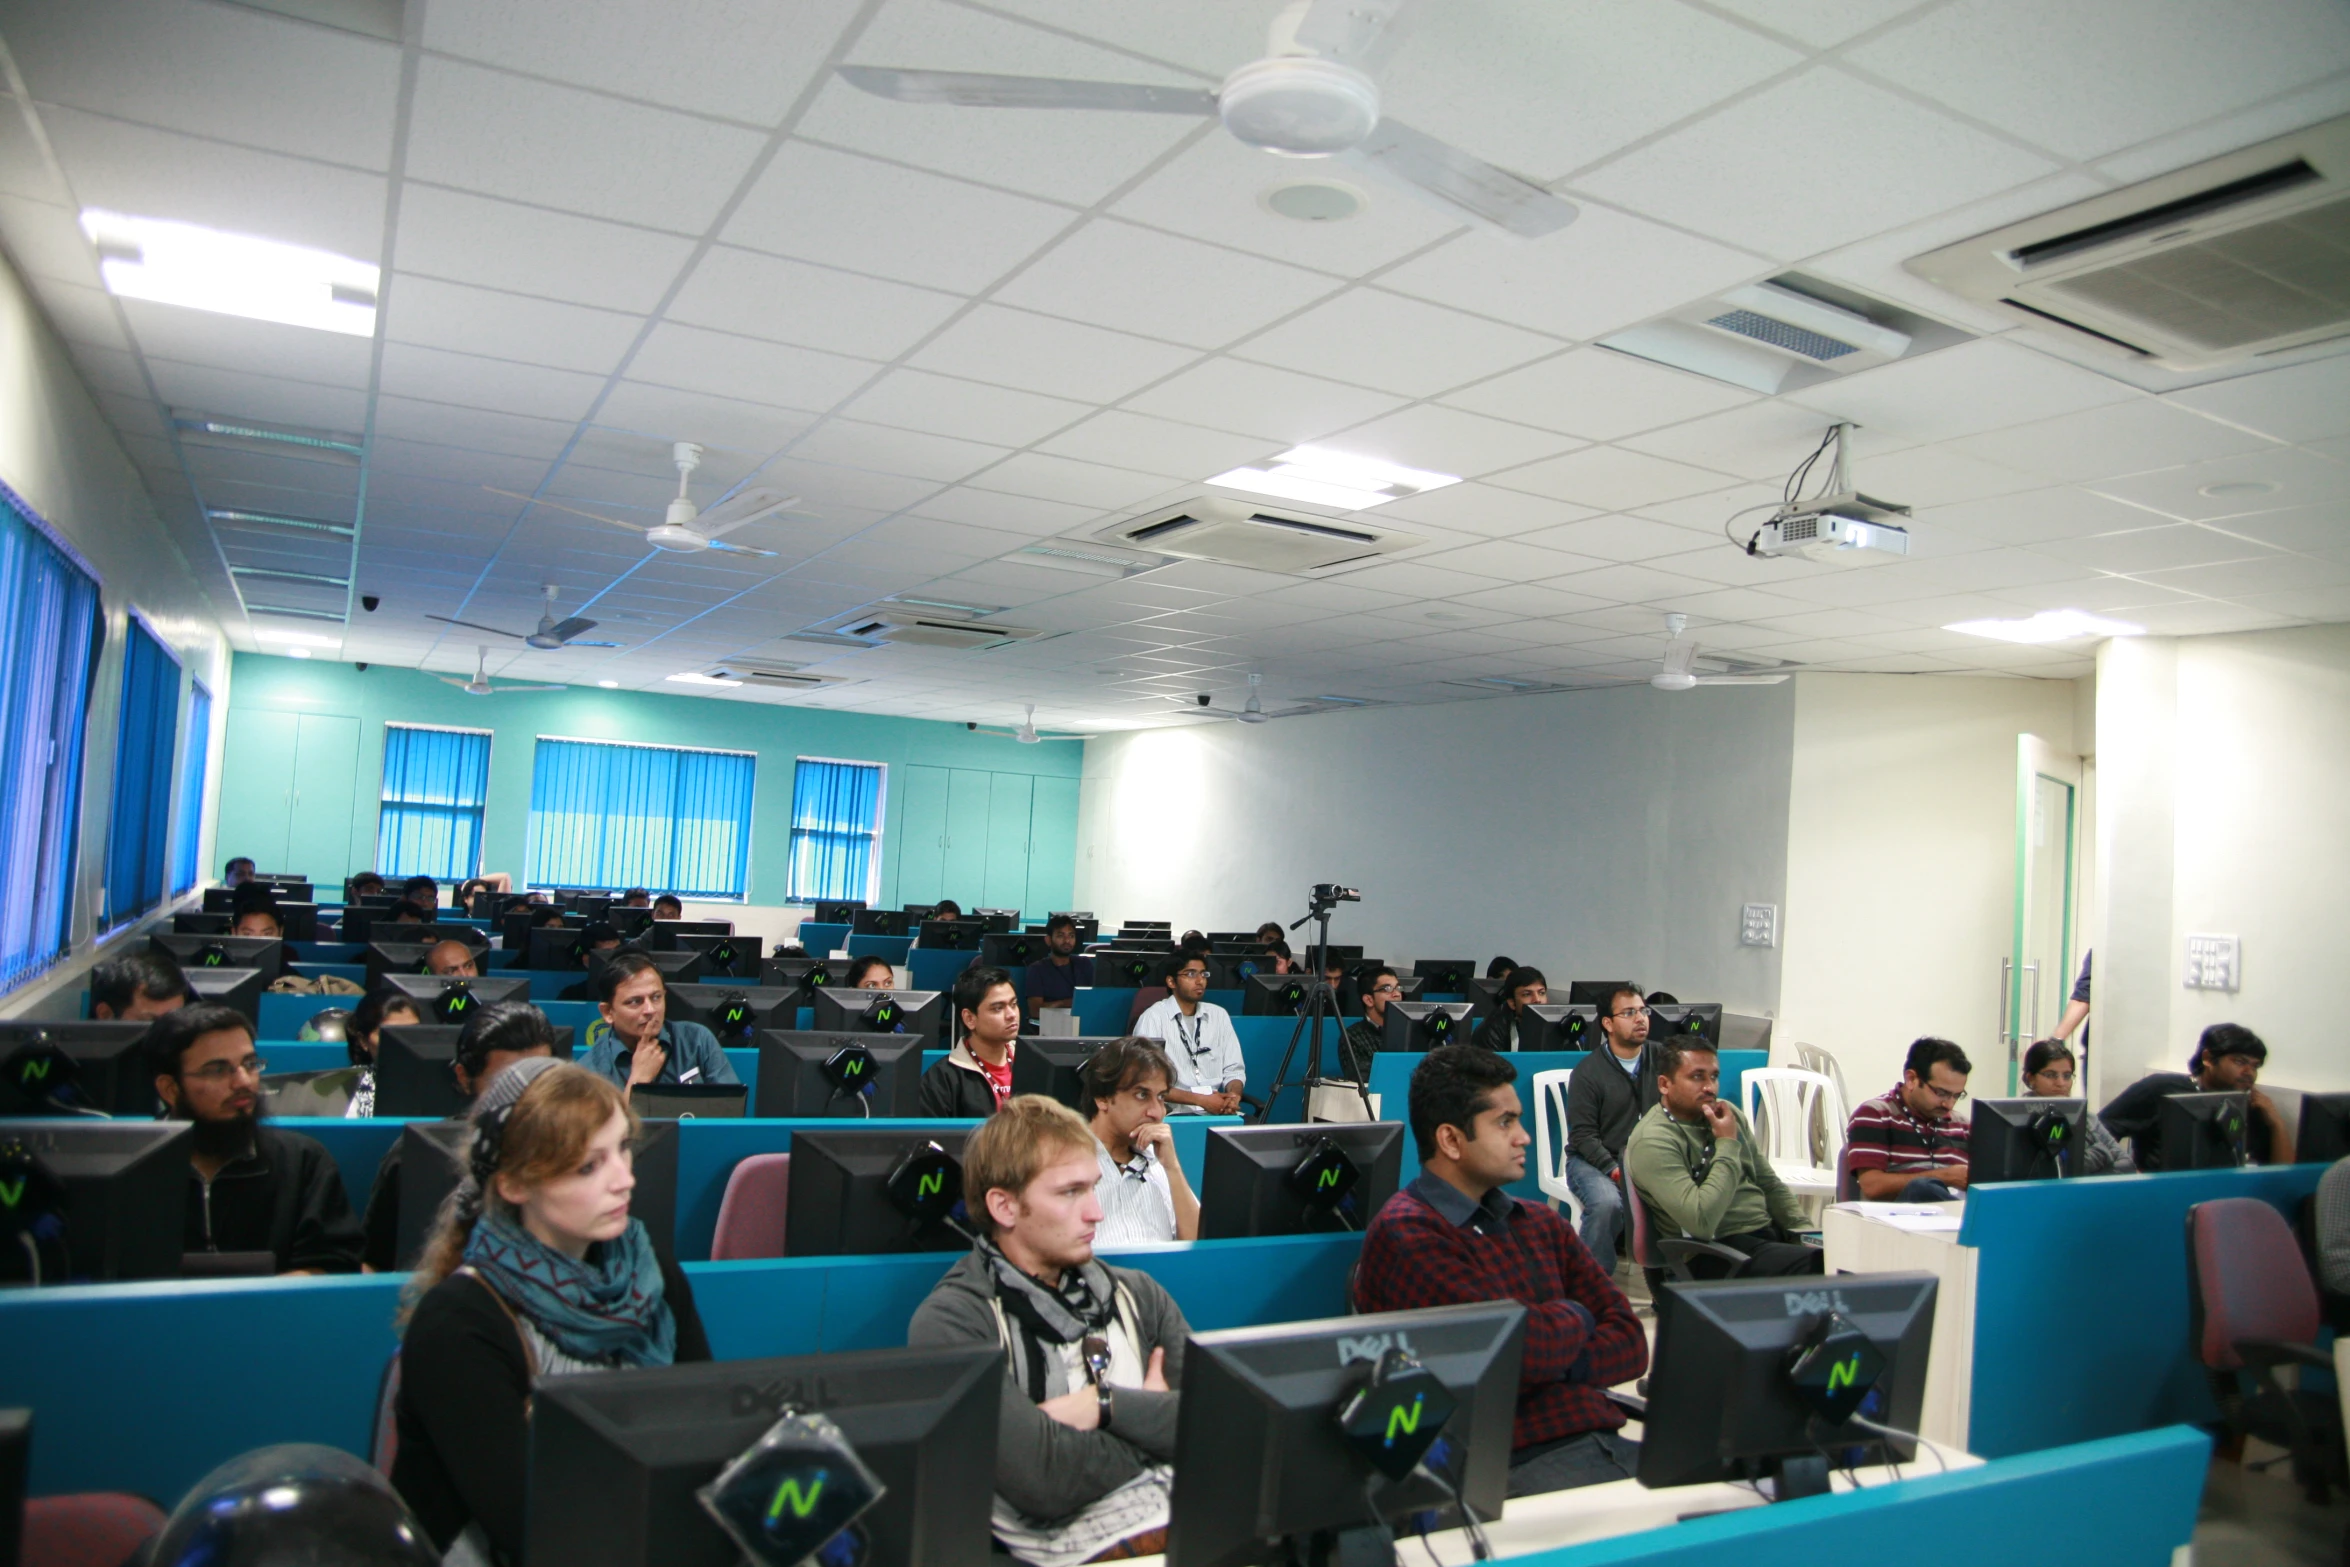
[
  {"x": 1634, "y": 584},
  {"x": 554, "y": 146},
  {"x": 1924, "y": 476},
  {"x": 2327, "y": 604},
  {"x": 1043, "y": 354},
  {"x": 1959, "y": 391},
  {"x": 433, "y": 314},
  {"x": 1024, "y": 515},
  {"x": 512, "y": 434},
  {"x": 2270, "y": 480},
  {"x": 886, "y": 450},
  {"x": 1075, "y": 483},
  {"x": 668, "y": 414},
  {"x": 1621, "y": 538},
  {"x": 2205, "y": 617},
  {"x": 302, "y": 404},
  {"x": 1599, "y": 394},
  {"x": 45, "y": 242},
  {"x": 257, "y": 347},
  {"x": 2163, "y": 64},
  {"x": 2035, "y": 517},
  {"x": 1485, "y": 511},
  {"x": 1417, "y": 580},
  {"x": 471, "y": 239},
  {"x": 756, "y": 295},
  {"x": 438, "y": 375},
  {"x": 1448, "y": 440},
  {"x": 2305, "y": 402},
  {"x": 1281, "y": 405},
  {"x": 2153, "y": 549},
  {"x": 2297, "y": 528},
  {"x": 1820, "y": 23},
  {"x": 1394, "y": 344},
  {"x": 1611, "y": 478},
  {"x": 1162, "y": 446},
  {"x": 1782, "y": 172},
  {"x": 1141, "y": 280},
  {"x": 2120, "y": 438},
  {"x": 81, "y": 315},
  {"x": 696, "y": 360},
  {"x": 948, "y": 405},
  {"x": 2270, "y": 573}
]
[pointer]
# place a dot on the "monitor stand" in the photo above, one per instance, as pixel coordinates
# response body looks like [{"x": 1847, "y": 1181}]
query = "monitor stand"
[
  {"x": 1367, "y": 1545},
  {"x": 1799, "y": 1477}
]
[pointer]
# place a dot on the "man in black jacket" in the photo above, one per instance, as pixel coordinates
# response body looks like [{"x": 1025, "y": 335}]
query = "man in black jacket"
[
  {"x": 976, "y": 1076},
  {"x": 251, "y": 1188},
  {"x": 1522, "y": 988},
  {"x": 1610, "y": 1089}
]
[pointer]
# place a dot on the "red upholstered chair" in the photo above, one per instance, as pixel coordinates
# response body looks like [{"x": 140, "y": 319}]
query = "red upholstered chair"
[
  {"x": 98, "y": 1529},
  {"x": 1847, "y": 1183},
  {"x": 2252, "y": 1309},
  {"x": 751, "y": 1214}
]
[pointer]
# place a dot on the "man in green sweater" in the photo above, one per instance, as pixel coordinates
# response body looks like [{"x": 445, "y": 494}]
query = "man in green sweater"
[{"x": 1694, "y": 1161}]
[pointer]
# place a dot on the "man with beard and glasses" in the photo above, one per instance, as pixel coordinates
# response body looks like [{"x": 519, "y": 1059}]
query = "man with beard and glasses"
[
  {"x": 251, "y": 1188},
  {"x": 1092, "y": 1354}
]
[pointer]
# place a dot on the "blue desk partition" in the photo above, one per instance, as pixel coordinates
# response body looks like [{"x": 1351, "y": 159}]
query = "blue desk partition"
[
  {"x": 822, "y": 941},
  {"x": 892, "y": 948},
  {"x": 936, "y": 968},
  {"x": 2081, "y": 1302},
  {"x": 110, "y": 1417},
  {"x": 282, "y": 1015}
]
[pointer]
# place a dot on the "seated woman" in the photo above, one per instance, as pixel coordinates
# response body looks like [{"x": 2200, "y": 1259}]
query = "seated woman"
[
  {"x": 870, "y": 973},
  {"x": 2048, "y": 1074},
  {"x": 381, "y": 1006},
  {"x": 536, "y": 1269}
]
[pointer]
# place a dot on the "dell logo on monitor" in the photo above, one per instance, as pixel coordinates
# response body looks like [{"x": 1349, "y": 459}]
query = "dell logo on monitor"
[
  {"x": 1371, "y": 1346},
  {"x": 1813, "y": 1303}
]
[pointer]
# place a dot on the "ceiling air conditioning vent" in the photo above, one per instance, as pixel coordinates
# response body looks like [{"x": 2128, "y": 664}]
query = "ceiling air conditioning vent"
[
  {"x": 784, "y": 677},
  {"x": 1775, "y": 336},
  {"x": 2239, "y": 256},
  {"x": 1233, "y": 533},
  {"x": 912, "y": 630}
]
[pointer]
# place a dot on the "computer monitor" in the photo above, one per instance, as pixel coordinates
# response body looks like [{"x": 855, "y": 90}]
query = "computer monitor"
[
  {"x": 615, "y": 1461},
  {"x": 691, "y": 1101},
  {"x": 266, "y": 953},
  {"x": 836, "y": 911},
  {"x": 1594, "y": 992},
  {"x": 997, "y": 921},
  {"x": 2026, "y": 1140},
  {"x": 1446, "y": 976},
  {"x": 916, "y": 913},
  {"x": 1682, "y": 1019},
  {"x": 1271, "y": 995},
  {"x": 433, "y": 1159},
  {"x": 1128, "y": 968},
  {"x": 1052, "y": 1064},
  {"x": 1088, "y": 928},
  {"x": 1558, "y": 1026},
  {"x": 922, "y": 1013},
  {"x": 634, "y": 924},
  {"x": 798, "y": 972},
  {"x": 2325, "y": 1129},
  {"x": 1297, "y": 1180},
  {"x": 1423, "y": 1025},
  {"x": 552, "y": 947},
  {"x": 1482, "y": 995},
  {"x": 111, "y": 1195},
  {"x": 200, "y": 924},
  {"x": 102, "y": 1068},
  {"x": 453, "y": 1000},
  {"x": 736, "y": 958},
  {"x": 1012, "y": 951},
  {"x": 841, "y": 1202},
  {"x": 1261, "y": 1457},
  {"x": 844, "y": 1076},
  {"x": 1749, "y": 1376},
  {"x": 231, "y": 987},
  {"x": 734, "y": 1012},
  {"x": 2202, "y": 1131},
  {"x": 412, "y": 1072},
  {"x": 951, "y": 935},
  {"x": 666, "y": 932},
  {"x": 881, "y": 922}
]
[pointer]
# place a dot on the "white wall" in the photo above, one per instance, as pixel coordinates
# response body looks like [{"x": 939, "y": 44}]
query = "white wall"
[
  {"x": 1900, "y": 863},
  {"x": 1596, "y": 834},
  {"x": 2224, "y": 786},
  {"x": 57, "y": 452}
]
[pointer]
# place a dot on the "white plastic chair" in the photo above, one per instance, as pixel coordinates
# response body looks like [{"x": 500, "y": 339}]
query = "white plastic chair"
[
  {"x": 1812, "y": 1058},
  {"x": 1550, "y": 1143},
  {"x": 1798, "y": 1118}
]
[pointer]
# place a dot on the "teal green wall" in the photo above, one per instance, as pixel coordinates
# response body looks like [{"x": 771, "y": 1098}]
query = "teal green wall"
[{"x": 978, "y": 818}]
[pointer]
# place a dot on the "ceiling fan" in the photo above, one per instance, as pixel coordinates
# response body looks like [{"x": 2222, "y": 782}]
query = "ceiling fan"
[
  {"x": 1026, "y": 734},
  {"x": 687, "y": 527},
  {"x": 480, "y": 685},
  {"x": 1251, "y": 713},
  {"x": 551, "y": 634},
  {"x": 1677, "y": 673},
  {"x": 1311, "y": 97}
]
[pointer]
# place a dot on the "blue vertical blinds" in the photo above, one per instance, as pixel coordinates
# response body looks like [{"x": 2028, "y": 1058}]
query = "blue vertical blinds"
[
  {"x": 138, "y": 834},
  {"x": 835, "y": 829},
  {"x": 436, "y": 783},
  {"x": 607, "y": 815},
  {"x": 188, "y": 830},
  {"x": 48, "y": 643}
]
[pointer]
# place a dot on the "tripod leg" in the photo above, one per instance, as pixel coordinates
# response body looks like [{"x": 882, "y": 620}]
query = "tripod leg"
[{"x": 1281, "y": 1073}]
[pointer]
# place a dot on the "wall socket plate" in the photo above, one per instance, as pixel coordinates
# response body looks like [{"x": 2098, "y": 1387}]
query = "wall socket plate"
[
  {"x": 2214, "y": 963},
  {"x": 1758, "y": 925}
]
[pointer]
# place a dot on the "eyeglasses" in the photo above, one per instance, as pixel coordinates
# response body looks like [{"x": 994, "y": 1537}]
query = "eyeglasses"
[
  {"x": 1191, "y": 973},
  {"x": 1391, "y": 988},
  {"x": 222, "y": 1071},
  {"x": 1629, "y": 1013},
  {"x": 1945, "y": 1097}
]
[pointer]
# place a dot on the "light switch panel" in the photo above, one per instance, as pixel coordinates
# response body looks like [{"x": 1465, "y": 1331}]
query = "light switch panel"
[
  {"x": 1758, "y": 925},
  {"x": 2214, "y": 963}
]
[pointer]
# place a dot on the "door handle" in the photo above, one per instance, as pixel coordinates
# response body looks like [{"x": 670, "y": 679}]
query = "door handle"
[
  {"x": 2006, "y": 980},
  {"x": 2033, "y": 969}
]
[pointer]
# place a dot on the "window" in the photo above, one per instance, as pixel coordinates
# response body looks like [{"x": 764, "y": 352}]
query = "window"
[
  {"x": 138, "y": 834},
  {"x": 436, "y": 782},
  {"x": 615, "y": 816},
  {"x": 835, "y": 829},
  {"x": 48, "y": 645},
  {"x": 188, "y": 831}
]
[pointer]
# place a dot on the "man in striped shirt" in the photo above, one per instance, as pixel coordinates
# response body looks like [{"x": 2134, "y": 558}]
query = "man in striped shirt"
[{"x": 1906, "y": 1145}]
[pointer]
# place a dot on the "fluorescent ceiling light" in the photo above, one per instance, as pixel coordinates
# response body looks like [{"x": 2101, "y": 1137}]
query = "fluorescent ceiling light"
[
  {"x": 295, "y": 638},
  {"x": 1323, "y": 477},
  {"x": 297, "y": 652},
  {"x": 2050, "y": 625},
  {"x": 609, "y": 685},
  {"x": 232, "y": 274},
  {"x": 694, "y": 677}
]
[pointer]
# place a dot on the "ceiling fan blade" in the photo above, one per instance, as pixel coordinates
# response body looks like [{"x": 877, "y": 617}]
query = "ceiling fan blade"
[
  {"x": 749, "y": 506},
  {"x": 1008, "y": 734},
  {"x": 475, "y": 625},
  {"x": 459, "y": 684},
  {"x": 1360, "y": 33},
  {"x": 594, "y": 644},
  {"x": 503, "y": 690},
  {"x": 540, "y": 500},
  {"x": 1740, "y": 680},
  {"x": 564, "y": 631},
  {"x": 739, "y": 549},
  {"x": 1461, "y": 182},
  {"x": 979, "y": 90}
]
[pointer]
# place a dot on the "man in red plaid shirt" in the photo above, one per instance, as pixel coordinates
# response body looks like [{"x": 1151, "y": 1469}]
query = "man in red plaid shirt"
[{"x": 1454, "y": 1235}]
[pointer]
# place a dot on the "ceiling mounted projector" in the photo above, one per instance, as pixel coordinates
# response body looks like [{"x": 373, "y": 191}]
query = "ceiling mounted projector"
[{"x": 1835, "y": 524}]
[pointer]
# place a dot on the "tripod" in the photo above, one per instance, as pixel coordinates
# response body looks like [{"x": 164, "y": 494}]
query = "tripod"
[{"x": 1321, "y": 1002}]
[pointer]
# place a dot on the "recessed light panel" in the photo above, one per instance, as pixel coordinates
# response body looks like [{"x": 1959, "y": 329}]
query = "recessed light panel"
[
  {"x": 232, "y": 274},
  {"x": 2050, "y": 625},
  {"x": 1322, "y": 477}
]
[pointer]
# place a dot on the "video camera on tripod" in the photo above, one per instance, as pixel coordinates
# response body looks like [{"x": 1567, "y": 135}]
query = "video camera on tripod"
[{"x": 1321, "y": 1004}]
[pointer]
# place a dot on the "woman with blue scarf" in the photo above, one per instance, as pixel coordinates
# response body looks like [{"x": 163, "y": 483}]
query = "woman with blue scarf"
[{"x": 535, "y": 1269}]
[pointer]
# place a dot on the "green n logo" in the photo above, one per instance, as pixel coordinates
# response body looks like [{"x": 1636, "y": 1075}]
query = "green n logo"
[
  {"x": 34, "y": 1071},
  {"x": 1845, "y": 1373},
  {"x": 12, "y": 1192},
  {"x": 789, "y": 1494},
  {"x": 1404, "y": 1422},
  {"x": 930, "y": 1185},
  {"x": 852, "y": 1068},
  {"x": 1326, "y": 1178}
]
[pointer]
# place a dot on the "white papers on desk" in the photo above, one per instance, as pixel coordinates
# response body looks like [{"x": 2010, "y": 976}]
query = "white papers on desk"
[{"x": 1917, "y": 1217}]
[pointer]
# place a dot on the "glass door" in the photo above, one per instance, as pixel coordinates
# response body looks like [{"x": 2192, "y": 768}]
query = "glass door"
[{"x": 2036, "y": 975}]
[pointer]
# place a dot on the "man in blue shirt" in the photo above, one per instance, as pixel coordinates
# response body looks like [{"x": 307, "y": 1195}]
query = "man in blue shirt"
[
  {"x": 643, "y": 1045},
  {"x": 1053, "y": 979}
]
